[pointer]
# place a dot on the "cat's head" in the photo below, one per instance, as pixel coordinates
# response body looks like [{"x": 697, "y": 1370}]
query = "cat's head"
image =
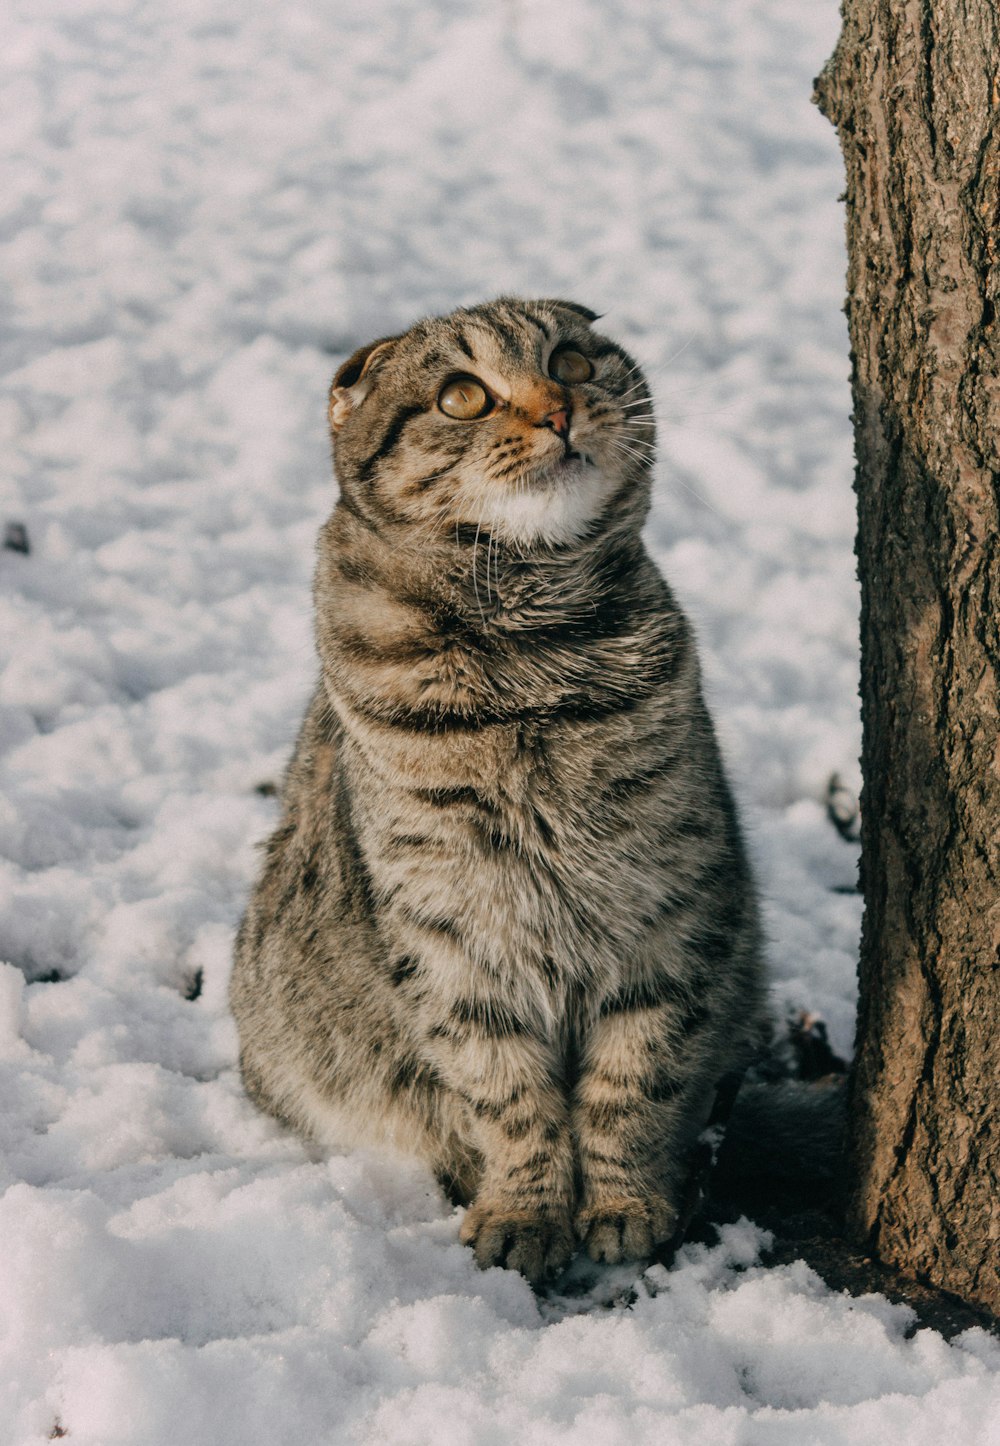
[{"x": 514, "y": 416}]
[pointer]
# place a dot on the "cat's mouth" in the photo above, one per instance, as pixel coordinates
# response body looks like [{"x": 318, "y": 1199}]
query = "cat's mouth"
[{"x": 561, "y": 469}]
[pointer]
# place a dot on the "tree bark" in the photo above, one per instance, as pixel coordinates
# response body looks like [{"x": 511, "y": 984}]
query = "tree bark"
[{"x": 914, "y": 91}]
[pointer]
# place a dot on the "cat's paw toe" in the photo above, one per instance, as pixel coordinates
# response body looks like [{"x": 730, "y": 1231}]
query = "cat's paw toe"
[
  {"x": 626, "y": 1229},
  {"x": 538, "y": 1245}
]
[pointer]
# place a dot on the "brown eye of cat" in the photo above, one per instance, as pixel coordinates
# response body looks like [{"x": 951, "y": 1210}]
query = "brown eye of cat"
[
  {"x": 465, "y": 399},
  {"x": 567, "y": 365}
]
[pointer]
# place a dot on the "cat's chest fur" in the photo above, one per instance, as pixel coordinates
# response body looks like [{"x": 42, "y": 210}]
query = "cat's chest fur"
[
  {"x": 513, "y": 836},
  {"x": 522, "y": 850}
]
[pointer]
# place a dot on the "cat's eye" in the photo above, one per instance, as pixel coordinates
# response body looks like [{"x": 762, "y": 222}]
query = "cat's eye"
[
  {"x": 567, "y": 364},
  {"x": 465, "y": 399}
]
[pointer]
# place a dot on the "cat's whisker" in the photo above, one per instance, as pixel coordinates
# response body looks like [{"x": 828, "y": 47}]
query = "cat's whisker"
[
  {"x": 640, "y": 442},
  {"x": 650, "y": 375},
  {"x": 669, "y": 482},
  {"x": 662, "y": 395},
  {"x": 651, "y": 372},
  {"x": 634, "y": 439},
  {"x": 639, "y": 399},
  {"x": 674, "y": 355},
  {"x": 645, "y": 376},
  {"x": 723, "y": 411},
  {"x": 644, "y": 462},
  {"x": 475, "y": 585},
  {"x": 635, "y": 446},
  {"x": 698, "y": 386}
]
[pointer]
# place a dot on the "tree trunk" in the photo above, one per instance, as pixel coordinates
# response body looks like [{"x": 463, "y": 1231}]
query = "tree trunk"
[{"x": 914, "y": 91}]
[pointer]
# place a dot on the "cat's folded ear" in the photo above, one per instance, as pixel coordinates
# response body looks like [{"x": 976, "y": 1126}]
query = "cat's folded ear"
[
  {"x": 354, "y": 378},
  {"x": 574, "y": 307}
]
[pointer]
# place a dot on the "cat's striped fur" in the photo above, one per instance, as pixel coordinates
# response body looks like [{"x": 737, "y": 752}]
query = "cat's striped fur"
[{"x": 506, "y": 922}]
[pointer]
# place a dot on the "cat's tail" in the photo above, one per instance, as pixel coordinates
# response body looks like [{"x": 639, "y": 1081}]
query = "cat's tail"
[
  {"x": 784, "y": 1141},
  {"x": 775, "y": 1145}
]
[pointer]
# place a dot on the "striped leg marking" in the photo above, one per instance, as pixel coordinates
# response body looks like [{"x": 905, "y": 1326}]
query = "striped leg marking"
[
  {"x": 522, "y": 1214},
  {"x": 631, "y": 1113}
]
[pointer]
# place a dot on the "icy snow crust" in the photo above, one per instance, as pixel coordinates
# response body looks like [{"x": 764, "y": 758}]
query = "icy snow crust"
[{"x": 204, "y": 207}]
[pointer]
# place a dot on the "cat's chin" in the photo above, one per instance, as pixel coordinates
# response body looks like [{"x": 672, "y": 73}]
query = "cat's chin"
[{"x": 553, "y": 507}]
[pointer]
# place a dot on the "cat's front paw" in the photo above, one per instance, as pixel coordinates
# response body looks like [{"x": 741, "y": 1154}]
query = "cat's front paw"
[
  {"x": 537, "y": 1243},
  {"x": 626, "y": 1228}
]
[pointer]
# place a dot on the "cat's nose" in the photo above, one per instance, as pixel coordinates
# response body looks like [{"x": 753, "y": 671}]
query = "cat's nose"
[{"x": 559, "y": 422}]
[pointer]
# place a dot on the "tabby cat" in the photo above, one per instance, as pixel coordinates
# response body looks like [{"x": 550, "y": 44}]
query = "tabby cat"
[{"x": 506, "y": 922}]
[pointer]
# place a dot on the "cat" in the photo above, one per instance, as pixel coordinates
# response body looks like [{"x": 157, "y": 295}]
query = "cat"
[{"x": 506, "y": 922}]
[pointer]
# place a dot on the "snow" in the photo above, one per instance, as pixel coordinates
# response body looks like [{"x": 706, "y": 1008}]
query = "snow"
[{"x": 205, "y": 207}]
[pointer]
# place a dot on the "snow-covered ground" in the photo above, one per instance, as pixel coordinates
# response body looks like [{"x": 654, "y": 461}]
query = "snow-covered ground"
[{"x": 204, "y": 206}]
